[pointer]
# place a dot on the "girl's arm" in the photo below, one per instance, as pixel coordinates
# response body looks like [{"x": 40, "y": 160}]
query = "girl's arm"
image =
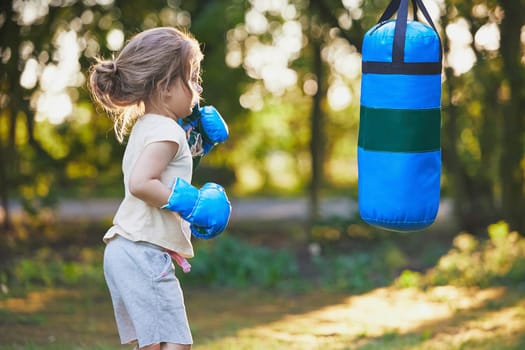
[{"x": 144, "y": 182}]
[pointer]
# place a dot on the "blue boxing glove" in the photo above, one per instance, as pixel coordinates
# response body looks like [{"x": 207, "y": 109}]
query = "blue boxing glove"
[
  {"x": 213, "y": 128},
  {"x": 207, "y": 210},
  {"x": 214, "y": 204},
  {"x": 204, "y": 128}
]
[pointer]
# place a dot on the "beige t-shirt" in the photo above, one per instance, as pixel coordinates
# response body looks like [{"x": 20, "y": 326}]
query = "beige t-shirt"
[{"x": 135, "y": 219}]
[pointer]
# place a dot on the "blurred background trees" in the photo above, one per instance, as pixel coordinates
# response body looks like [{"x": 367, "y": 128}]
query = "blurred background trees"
[{"x": 285, "y": 74}]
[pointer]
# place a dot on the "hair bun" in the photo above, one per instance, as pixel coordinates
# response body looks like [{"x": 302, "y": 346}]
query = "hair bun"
[{"x": 105, "y": 83}]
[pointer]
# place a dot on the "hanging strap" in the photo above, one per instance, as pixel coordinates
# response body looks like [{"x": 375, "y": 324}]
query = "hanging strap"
[
  {"x": 398, "y": 64},
  {"x": 393, "y": 6}
]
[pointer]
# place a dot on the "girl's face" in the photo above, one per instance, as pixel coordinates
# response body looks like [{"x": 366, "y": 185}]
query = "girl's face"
[
  {"x": 195, "y": 84},
  {"x": 180, "y": 100}
]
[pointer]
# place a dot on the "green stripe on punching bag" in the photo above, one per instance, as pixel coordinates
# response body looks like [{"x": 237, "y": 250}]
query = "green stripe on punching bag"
[{"x": 399, "y": 130}]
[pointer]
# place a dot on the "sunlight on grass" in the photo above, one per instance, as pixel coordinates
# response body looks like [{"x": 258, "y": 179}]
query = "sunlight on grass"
[
  {"x": 386, "y": 318},
  {"x": 489, "y": 330}
]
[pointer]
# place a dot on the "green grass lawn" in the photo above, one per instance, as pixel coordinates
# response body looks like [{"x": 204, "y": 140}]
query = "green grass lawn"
[
  {"x": 415, "y": 292},
  {"x": 385, "y": 318}
]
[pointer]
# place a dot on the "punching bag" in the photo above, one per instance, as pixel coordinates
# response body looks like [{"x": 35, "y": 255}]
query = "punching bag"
[{"x": 399, "y": 148}]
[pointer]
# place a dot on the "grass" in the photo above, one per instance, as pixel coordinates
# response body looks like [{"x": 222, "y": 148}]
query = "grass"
[
  {"x": 414, "y": 292},
  {"x": 443, "y": 317}
]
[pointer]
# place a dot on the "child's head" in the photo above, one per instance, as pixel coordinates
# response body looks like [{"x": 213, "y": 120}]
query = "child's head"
[{"x": 150, "y": 63}]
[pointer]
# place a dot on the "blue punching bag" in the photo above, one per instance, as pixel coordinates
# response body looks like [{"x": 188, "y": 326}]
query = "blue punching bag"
[{"x": 399, "y": 148}]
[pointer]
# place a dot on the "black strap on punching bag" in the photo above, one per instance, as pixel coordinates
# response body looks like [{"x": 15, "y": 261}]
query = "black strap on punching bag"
[{"x": 398, "y": 64}]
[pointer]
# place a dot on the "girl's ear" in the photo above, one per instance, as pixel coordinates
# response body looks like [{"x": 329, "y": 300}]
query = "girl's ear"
[
  {"x": 163, "y": 91},
  {"x": 169, "y": 89},
  {"x": 161, "y": 88}
]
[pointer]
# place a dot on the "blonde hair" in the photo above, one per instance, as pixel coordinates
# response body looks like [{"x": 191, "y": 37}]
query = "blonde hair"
[{"x": 149, "y": 63}]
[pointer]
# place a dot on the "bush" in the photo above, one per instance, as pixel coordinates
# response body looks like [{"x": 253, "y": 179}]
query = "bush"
[
  {"x": 363, "y": 270},
  {"x": 498, "y": 260},
  {"x": 231, "y": 262},
  {"x": 221, "y": 262},
  {"x": 47, "y": 268}
]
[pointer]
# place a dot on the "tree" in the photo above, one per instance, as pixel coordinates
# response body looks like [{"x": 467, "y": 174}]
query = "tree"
[
  {"x": 513, "y": 155},
  {"x": 319, "y": 35},
  {"x": 479, "y": 136},
  {"x": 285, "y": 74},
  {"x": 483, "y": 122},
  {"x": 52, "y": 139}
]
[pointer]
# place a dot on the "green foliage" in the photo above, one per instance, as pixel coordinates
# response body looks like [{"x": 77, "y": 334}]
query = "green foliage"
[
  {"x": 499, "y": 260},
  {"x": 269, "y": 146},
  {"x": 224, "y": 262},
  {"x": 231, "y": 262},
  {"x": 46, "y": 268},
  {"x": 346, "y": 272},
  {"x": 408, "y": 278},
  {"x": 20, "y": 318},
  {"x": 363, "y": 270}
]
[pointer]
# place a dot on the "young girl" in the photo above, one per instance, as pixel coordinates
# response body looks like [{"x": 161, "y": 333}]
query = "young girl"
[{"x": 154, "y": 82}]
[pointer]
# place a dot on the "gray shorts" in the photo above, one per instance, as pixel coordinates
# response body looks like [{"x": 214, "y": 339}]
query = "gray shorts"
[{"x": 146, "y": 294}]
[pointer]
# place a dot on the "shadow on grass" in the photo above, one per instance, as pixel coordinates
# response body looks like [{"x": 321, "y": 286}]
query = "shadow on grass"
[{"x": 51, "y": 318}]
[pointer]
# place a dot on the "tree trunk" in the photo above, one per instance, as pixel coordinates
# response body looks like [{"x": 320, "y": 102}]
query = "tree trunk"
[
  {"x": 317, "y": 135},
  {"x": 4, "y": 192},
  {"x": 511, "y": 169},
  {"x": 9, "y": 38},
  {"x": 457, "y": 176}
]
